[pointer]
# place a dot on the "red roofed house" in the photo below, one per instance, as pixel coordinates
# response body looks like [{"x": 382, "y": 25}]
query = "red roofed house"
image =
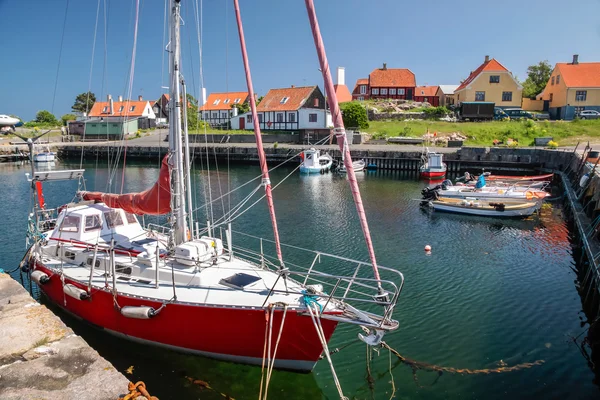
[
  {"x": 114, "y": 119},
  {"x": 490, "y": 82},
  {"x": 217, "y": 110},
  {"x": 428, "y": 94},
  {"x": 386, "y": 83},
  {"x": 572, "y": 87},
  {"x": 289, "y": 109}
]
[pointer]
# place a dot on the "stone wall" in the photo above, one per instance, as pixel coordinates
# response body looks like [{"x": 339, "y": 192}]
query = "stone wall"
[{"x": 377, "y": 116}]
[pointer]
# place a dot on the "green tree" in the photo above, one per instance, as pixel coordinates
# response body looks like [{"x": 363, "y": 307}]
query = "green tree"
[
  {"x": 259, "y": 100},
  {"x": 67, "y": 117},
  {"x": 192, "y": 112},
  {"x": 84, "y": 102},
  {"x": 242, "y": 107},
  {"x": 354, "y": 115},
  {"x": 45, "y": 117},
  {"x": 537, "y": 78}
]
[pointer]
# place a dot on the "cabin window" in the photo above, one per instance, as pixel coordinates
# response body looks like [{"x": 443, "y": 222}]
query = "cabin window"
[
  {"x": 552, "y": 81},
  {"x": 392, "y": 91},
  {"x": 249, "y": 118},
  {"x": 494, "y": 78},
  {"x": 236, "y": 101},
  {"x": 316, "y": 102},
  {"x": 279, "y": 117},
  {"x": 479, "y": 96},
  {"x": 92, "y": 223},
  {"x": 131, "y": 219},
  {"x": 363, "y": 89},
  {"x": 581, "y": 95},
  {"x": 291, "y": 117},
  {"x": 217, "y": 101},
  {"x": 113, "y": 218},
  {"x": 384, "y": 91},
  {"x": 557, "y": 79},
  {"x": 506, "y": 96},
  {"x": 226, "y": 101},
  {"x": 284, "y": 100},
  {"x": 401, "y": 92},
  {"x": 70, "y": 224},
  {"x": 312, "y": 117},
  {"x": 374, "y": 91},
  {"x": 70, "y": 255}
]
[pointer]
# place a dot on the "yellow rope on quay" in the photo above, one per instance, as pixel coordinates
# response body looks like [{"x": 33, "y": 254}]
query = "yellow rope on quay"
[{"x": 136, "y": 390}]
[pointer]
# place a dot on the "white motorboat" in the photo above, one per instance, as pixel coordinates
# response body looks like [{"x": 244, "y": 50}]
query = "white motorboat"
[
  {"x": 357, "y": 166},
  {"x": 313, "y": 162},
  {"x": 45, "y": 156},
  {"x": 490, "y": 208}
]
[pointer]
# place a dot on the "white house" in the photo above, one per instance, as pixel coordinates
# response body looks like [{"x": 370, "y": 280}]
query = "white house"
[
  {"x": 122, "y": 109},
  {"x": 218, "y": 107},
  {"x": 289, "y": 109}
]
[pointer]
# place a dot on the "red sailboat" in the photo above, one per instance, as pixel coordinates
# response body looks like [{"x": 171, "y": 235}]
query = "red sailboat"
[{"x": 189, "y": 289}]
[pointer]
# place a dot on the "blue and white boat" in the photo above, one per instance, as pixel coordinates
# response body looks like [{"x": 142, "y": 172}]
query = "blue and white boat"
[{"x": 313, "y": 162}]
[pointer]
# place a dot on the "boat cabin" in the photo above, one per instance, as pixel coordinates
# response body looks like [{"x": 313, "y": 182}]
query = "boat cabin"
[{"x": 434, "y": 160}]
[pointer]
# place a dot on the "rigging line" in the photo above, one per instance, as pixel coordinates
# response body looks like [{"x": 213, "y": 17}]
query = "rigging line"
[
  {"x": 87, "y": 100},
  {"x": 227, "y": 90},
  {"x": 62, "y": 39},
  {"x": 162, "y": 46}
]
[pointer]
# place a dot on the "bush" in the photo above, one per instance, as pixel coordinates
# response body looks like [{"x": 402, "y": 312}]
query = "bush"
[
  {"x": 354, "y": 115},
  {"x": 552, "y": 144},
  {"x": 45, "y": 117},
  {"x": 436, "y": 112},
  {"x": 68, "y": 117}
]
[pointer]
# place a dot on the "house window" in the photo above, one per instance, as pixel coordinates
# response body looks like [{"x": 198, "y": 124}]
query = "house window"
[
  {"x": 291, "y": 117},
  {"x": 226, "y": 101},
  {"x": 494, "y": 78},
  {"x": 236, "y": 101},
  {"x": 121, "y": 109},
  {"x": 392, "y": 91},
  {"x": 374, "y": 91},
  {"x": 260, "y": 118},
  {"x": 249, "y": 118},
  {"x": 317, "y": 102},
  {"x": 206, "y": 115},
  {"x": 92, "y": 223},
  {"x": 284, "y": 100},
  {"x": 363, "y": 89},
  {"x": 552, "y": 81},
  {"x": 132, "y": 108},
  {"x": 506, "y": 96},
  {"x": 384, "y": 92},
  {"x": 401, "y": 92},
  {"x": 360, "y": 98},
  {"x": 217, "y": 101},
  {"x": 551, "y": 97},
  {"x": 105, "y": 109},
  {"x": 557, "y": 79},
  {"x": 215, "y": 115},
  {"x": 479, "y": 96},
  {"x": 581, "y": 95},
  {"x": 312, "y": 117},
  {"x": 224, "y": 115},
  {"x": 279, "y": 117}
]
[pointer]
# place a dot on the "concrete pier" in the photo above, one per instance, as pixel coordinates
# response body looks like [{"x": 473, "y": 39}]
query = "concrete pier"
[{"x": 41, "y": 358}]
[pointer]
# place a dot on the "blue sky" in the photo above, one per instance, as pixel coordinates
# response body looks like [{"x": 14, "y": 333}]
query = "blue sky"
[{"x": 440, "y": 41}]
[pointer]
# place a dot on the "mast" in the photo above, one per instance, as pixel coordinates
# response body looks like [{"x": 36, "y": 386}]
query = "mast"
[
  {"x": 340, "y": 132},
  {"x": 266, "y": 181},
  {"x": 175, "y": 143}
]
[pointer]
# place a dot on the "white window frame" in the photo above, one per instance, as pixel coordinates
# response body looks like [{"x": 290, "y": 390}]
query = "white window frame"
[
  {"x": 226, "y": 101},
  {"x": 316, "y": 116},
  {"x": 216, "y": 102},
  {"x": 105, "y": 109},
  {"x": 363, "y": 89},
  {"x": 121, "y": 108},
  {"x": 392, "y": 92},
  {"x": 279, "y": 117},
  {"x": 292, "y": 117},
  {"x": 249, "y": 118},
  {"x": 236, "y": 101},
  {"x": 384, "y": 91},
  {"x": 375, "y": 91},
  {"x": 284, "y": 100},
  {"x": 132, "y": 109},
  {"x": 400, "y": 92},
  {"x": 360, "y": 98}
]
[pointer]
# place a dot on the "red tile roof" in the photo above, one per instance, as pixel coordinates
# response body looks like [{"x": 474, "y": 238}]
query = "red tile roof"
[
  {"x": 342, "y": 93},
  {"x": 392, "y": 77},
  {"x": 427, "y": 91},
  {"x": 491, "y": 65},
  {"x": 97, "y": 109},
  {"x": 581, "y": 75},
  {"x": 226, "y": 100},
  {"x": 361, "y": 81},
  {"x": 296, "y": 98}
]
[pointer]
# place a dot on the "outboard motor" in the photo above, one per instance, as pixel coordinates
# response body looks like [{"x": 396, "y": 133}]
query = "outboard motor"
[
  {"x": 446, "y": 183},
  {"x": 431, "y": 193}
]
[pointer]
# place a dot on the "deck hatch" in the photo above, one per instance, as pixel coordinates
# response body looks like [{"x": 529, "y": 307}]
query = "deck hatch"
[{"x": 239, "y": 280}]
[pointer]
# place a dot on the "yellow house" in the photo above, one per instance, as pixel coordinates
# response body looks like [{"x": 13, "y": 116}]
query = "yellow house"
[
  {"x": 492, "y": 82},
  {"x": 572, "y": 87}
]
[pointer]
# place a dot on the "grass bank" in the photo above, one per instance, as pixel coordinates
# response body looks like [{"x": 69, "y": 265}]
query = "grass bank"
[{"x": 484, "y": 133}]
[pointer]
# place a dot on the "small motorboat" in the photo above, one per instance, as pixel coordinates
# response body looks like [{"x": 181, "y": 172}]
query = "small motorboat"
[
  {"x": 45, "y": 156},
  {"x": 432, "y": 165},
  {"x": 357, "y": 166},
  {"x": 490, "y": 208},
  {"x": 313, "y": 162}
]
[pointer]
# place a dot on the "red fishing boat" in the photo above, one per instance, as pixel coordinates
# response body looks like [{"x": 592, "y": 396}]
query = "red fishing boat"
[
  {"x": 189, "y": 288},
  {"x": 432, "y": 165}
]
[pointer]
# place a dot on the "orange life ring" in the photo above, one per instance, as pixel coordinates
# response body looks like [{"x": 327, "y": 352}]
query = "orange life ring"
[{"x": 529, "y": 195}]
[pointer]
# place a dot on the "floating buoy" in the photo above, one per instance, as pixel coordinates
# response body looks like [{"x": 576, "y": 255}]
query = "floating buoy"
[
  {"x": 39, "y": 277},
  {"x": 142, "y": 312},
  {"x": 427, "y": 247},
  {"x": 75, "y": 292}
]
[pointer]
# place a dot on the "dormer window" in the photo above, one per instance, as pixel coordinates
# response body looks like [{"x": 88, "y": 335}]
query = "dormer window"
[
  {"x": 284, "y": 100},
  {"x": 105, "y": 109},
  {"x": 216, "y": 102},
  {"x": 226, "y": 101},
  {"x": 121, "y": 109},
  {"x": 132, "y": 108},
  {"x": 236, "y": 101}
]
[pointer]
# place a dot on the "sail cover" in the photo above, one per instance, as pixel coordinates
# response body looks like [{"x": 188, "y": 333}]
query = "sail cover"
[{"x": 154, "y": 201}]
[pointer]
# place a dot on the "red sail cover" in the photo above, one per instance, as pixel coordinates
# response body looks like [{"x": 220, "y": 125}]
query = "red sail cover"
[{"x": 154, "y": 201}]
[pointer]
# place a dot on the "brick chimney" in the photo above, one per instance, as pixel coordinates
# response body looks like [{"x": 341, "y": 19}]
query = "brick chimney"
[
  {"x": 487, "y": 58},
  {"x": 120, "y": 98},
  {"x": 140, "y": 98},
  {"x": 384, "y": 66},
  {"x": 575, "y": 59}
]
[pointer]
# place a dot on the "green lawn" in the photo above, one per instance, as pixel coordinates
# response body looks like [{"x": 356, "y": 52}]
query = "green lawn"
[{"x": 484, "y": 133}]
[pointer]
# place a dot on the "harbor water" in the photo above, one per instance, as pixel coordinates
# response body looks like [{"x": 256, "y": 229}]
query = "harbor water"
[{"x": 491, "y": 293}]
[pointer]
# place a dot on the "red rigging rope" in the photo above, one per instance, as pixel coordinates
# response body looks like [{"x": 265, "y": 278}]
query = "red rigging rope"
[
  {"x": 339, "y": 130},
  {"x": 257, "y": 134}
]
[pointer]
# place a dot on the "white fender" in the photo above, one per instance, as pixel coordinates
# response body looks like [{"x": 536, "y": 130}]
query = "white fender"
[
  {"x": 141, "y": 312},
  {"x": 39, "y": 277},
  {"x": 75, "y": 292},
  {"x": 584, "y": 180}
]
